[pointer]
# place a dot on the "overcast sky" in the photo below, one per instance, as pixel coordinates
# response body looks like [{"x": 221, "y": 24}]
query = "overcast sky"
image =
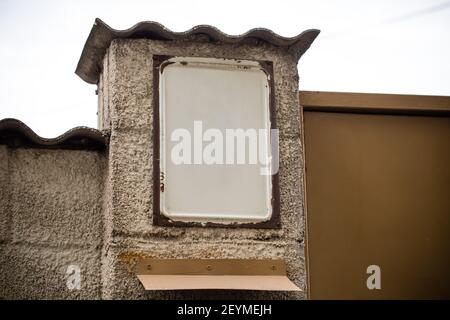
[{"x": 383, "y": 46}]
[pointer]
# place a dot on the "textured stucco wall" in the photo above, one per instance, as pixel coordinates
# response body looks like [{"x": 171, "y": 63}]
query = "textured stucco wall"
[
  {"x": 126, "y": 101},
  {"x": 94, "y": 210},
  {"x": 50, "y": 218}
]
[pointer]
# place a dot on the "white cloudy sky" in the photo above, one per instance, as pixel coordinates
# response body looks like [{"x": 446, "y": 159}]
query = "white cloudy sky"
[{"x": 385, "y": 46}]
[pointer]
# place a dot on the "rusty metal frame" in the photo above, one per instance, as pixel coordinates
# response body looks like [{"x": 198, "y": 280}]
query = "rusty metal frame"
[{"x": 159, "y": 62}]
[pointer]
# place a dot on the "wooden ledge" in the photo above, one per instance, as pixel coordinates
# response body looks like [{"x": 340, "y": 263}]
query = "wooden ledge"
[{"x": 203, "y": 274}]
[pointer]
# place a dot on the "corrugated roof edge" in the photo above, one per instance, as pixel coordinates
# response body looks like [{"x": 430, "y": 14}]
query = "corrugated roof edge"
[
  {"x": 15, "y": 133},
  {"x": 101, "y": 35}
]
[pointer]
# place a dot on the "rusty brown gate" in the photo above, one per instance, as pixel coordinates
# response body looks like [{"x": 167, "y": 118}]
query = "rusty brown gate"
[{"x": 377, "y": 193}]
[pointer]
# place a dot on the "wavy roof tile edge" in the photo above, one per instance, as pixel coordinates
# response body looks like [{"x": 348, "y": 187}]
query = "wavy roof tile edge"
[
  {"x": 15, "y": 133},
  {"x": 101, "y": 36}
]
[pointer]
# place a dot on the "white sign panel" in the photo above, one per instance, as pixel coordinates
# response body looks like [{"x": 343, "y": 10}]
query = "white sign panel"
[{"x": 215, "y": 141}]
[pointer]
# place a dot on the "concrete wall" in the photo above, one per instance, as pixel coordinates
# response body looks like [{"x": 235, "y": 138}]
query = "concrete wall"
[
  {"x": 94, "y": 210},
  {"x": 50, "y": 218},
  {"x": 126, "y": 92}
]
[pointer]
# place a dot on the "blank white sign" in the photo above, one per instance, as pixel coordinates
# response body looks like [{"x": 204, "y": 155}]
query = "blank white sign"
[{"x": 213, "y": 94}]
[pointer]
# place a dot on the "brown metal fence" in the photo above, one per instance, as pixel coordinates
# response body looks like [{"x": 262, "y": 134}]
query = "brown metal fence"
[{"x": 378, "y": 194}]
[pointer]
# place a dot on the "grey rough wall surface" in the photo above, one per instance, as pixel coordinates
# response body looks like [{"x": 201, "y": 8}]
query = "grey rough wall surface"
[
  {"x": 51, "y": 202},
  {"x": 61, "y": 207},
  {"x": 5, "y": 217},
  {"x": 127, "y": 100}
]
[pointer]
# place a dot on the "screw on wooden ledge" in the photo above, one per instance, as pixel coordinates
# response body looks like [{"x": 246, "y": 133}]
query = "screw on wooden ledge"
[
  {"x": 149, "y": 267},
  {"x": 273, "y": 268},
  {"x": 208, "y": 267}
]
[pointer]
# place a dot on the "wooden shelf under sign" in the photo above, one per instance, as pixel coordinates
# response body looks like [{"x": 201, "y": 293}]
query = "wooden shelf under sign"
[{"x": 202, "y": 274}]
